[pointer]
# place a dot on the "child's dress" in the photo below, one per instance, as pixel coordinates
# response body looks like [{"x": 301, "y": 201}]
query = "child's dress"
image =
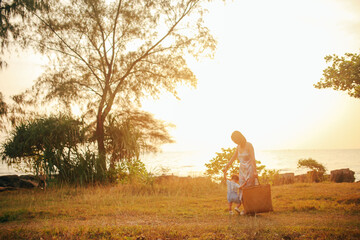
[{"x": 232, "y": 192}]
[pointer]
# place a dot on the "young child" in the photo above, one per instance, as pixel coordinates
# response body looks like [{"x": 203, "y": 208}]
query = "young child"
[{"x": 232, "y": 192}]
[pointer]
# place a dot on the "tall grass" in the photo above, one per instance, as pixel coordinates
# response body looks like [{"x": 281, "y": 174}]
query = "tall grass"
[{"x": 178, "y": 208}]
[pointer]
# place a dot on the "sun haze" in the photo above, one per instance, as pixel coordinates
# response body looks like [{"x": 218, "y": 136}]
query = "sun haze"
[
  {"x": 260, "y": 82},
  {"x": 270, "y": 53}
]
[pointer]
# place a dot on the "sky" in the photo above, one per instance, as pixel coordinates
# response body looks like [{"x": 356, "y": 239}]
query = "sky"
[
  {"x": 270, "y": 53},
  {"x": 260, "y": 82}
]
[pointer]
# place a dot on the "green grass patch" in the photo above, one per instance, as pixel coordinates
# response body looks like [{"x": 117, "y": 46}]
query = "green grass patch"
[{"x": 8, "y": 216}]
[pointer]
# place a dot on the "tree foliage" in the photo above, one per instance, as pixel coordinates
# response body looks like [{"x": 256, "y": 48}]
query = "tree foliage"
[
  {"x": 62, "y": 145},
  {"x": 3, "y": 106},
  {"x": 218, "y": 163},
  {"x": 268, "y": 176},
  {"x": 14, "y": 16},
  {"x": 133, "y": 132},
  {"x": 51, "y": 144},
  {"x": 108, "y": 55},
  {"x": 343, "y": 74},
  {"x": 311, "y": 164}
]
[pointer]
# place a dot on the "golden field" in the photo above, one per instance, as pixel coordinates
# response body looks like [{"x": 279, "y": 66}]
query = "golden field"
[{"x": 178, "y": 208}]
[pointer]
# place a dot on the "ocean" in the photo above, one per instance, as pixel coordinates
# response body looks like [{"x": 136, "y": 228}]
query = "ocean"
[{"x": 192, "y": 163}]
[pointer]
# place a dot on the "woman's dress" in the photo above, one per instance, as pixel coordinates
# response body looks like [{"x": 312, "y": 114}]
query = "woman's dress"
[{"x": 246, "y": 172}]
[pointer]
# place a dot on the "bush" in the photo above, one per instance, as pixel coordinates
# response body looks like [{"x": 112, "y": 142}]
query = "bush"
[
  {"x": 51, "y": 146},
  {"x": 132, "y": 170},
  {"x": 268, "y": 176},
  {"x": 315, "y": 166},
  {"x": 63, "y": 146}
]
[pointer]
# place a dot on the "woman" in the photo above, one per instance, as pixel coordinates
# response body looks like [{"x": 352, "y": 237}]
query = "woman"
[{"x": 245, "y": 153}]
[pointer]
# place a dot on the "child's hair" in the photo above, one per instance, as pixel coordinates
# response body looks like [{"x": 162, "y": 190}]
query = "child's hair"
[
  {"x": 235, "y": 177},
  {"x": 238, "y": 138}
]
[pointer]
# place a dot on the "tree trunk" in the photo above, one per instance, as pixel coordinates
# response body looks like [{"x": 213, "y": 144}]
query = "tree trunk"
[{"x": 101, "y": 166}]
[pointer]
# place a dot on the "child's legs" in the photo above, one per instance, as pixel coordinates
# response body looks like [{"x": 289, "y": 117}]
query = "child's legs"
[{"x": 230, "y": 206}]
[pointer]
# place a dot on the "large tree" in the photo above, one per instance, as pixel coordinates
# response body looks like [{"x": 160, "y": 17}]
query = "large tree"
[
  {"x": 108, "y": 55},
  {"x": 343, "y": 74}
]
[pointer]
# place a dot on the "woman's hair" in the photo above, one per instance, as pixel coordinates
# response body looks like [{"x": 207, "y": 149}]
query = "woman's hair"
[
  {"x": 238, "y": 138},
  {"x": 235, "y": 177}
]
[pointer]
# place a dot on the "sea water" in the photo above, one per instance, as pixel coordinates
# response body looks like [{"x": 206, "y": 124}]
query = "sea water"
[{"x": 192, "y": 163}]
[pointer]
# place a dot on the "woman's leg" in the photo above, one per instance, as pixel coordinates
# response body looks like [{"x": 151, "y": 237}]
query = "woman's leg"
[{"x": 237, "y": 208}]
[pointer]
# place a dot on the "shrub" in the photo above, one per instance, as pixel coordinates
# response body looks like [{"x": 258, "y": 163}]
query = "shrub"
[
  {"x": 268, "y": 176},
  {"x": 315, "y": 166}
]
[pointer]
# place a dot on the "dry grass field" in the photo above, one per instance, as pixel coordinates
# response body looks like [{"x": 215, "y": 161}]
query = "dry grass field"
[{"x": 178, "y": 208}]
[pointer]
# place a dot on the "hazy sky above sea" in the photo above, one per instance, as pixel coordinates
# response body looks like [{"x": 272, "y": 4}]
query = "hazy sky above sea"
[{"x": 260, "y": 82}]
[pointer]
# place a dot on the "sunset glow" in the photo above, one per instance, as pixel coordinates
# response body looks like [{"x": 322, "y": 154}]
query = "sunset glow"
[
  {"x": 180, "y": 119},
  {"x": 270, "y": 53}
]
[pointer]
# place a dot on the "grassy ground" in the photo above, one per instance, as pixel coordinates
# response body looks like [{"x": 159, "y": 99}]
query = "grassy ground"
[{"x": 178, "y": 209}]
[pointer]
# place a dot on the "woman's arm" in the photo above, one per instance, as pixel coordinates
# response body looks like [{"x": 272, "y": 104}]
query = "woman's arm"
[
  {"x": 231, "y": 161},
  {"x": 243, "y": 185},
  {"x": 252, "y": 158}
]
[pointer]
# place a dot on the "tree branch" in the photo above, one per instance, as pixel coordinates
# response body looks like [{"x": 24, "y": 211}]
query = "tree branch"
[{"x": 68, "y": 46}]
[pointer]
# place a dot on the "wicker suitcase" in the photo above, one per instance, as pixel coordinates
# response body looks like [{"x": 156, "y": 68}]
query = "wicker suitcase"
[{"x": 257, "y": 199}]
